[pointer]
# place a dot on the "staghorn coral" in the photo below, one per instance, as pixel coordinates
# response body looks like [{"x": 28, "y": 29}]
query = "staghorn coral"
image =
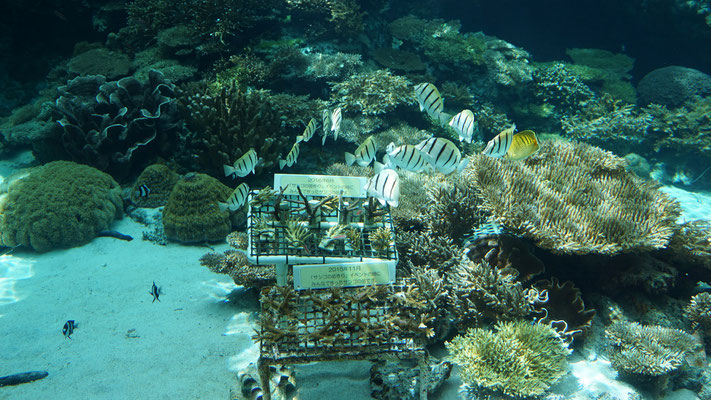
[
  {"x": 191, "y": 213},
  {"x": 574, "y": 198},
  {"x": 413, "y": 211},
  {"x": 60, "y": 204},
  {"x": 336, "y": 66},
  {"x": 225, "y": 123},
  {"x": 397, "y": 59},
  {"x": 416, "y": 29},
  {"x": 509, "y": 253},
  {"x": 648, "y": 350},
  {"x": 690, "y": 249},
  {"x": 518, "y": 360},
  {"x": 372, "y": 93},
  {"x": 422, "y": 250},
  {"x": 118, "y": 127},
  {"x": 380, "y": 241},
  {"x": 698, "y": 312},
  {"x": 481, "y": 293},
  {"x": 565, "y": 310},
  {"x": 454, "y": 211},
  {"x": 160, "y": 181}
]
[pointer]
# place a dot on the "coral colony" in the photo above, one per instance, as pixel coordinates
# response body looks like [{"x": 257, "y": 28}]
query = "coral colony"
[{"x": 515, "y": 212}]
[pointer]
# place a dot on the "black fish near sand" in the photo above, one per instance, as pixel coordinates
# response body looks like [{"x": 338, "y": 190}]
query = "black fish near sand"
[
  {"x": 68, "y": 328},
  {"x": 155, "y": 292},
  {"x": 23, "y": 377},
  {"x": 114, "y": 234}
]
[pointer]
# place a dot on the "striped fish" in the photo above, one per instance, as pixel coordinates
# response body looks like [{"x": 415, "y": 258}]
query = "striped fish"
[
  {"x": 291, "y": 157},
  {"x": 143, "y": 191},
  {"x": 308, "y": 132},
  {"x": 385, "y": 186},
  {"x": 364, "y": 154},
  {"x": 463, "y": 123},
  {"x": 326, "y": 120},
  {"x": 243, "y": 166},
  {"x": 523, "y": 145},
  {"x": 483, "y": 231},
  {"x": 430, "y": 100},
  {"x": 443, "y": 155},
  {"x": 499, "y": 145},
  {"x": 236, "y": 199},
  {"x": 406, "y": 157},
  {"x": 336, "y": 122}
]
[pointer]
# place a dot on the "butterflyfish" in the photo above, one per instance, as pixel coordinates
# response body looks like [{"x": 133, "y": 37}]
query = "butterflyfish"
[
  {"x": 291, "y": 157},
  {"x": 236, "y": 199},
  {"x": 463, "y": 123},
  {"x": 385, "y": 186},
  {"x": 443, "y": 155},
  {"x": 406, "y": 157},
  {"x": 308, "y": 132},
  {"x": 498, "y": 146},
  {"x": 523, "y": 145},
  {"x": 243, "y": 166},
  {"x": 364, "y": 154}
]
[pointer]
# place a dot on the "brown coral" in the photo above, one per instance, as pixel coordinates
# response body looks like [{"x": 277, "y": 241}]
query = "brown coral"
[
  {"x": 574, "y": 198},
  {"x": 565, "y": 309}
]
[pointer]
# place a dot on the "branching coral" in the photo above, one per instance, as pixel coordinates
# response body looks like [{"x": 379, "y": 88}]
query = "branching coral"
[
  {"x": 648, "y": 350},
  {"x": 574, "y": 198},
  {"x": 332, "y": 66},
  {"x": 518, "y": 360},
  {"x": 481, "y": 293},
  {"x": 558, "y": 86},
  {"x": 698, "y": 311},
  {"x": 225, "y": 124},
  {"x": 373, "y": 93},
  {"x": 454, "y": 211},
  {"x": 118, "y": 127}
]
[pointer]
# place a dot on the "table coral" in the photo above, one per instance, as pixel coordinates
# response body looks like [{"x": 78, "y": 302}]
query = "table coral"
[
  {"x": 573, "y": 198},
  {"x": 192, "y": 215},
  {"x": 61, "y": 204}
]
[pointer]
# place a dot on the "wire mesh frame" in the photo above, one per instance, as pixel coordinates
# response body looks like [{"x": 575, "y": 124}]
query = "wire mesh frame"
[
  {"x": 315, "y": 335},
  {"x": 274, "y": 242}
]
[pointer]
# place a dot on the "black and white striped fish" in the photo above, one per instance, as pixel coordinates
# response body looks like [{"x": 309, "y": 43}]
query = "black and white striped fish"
[
  {"x": 498, "y": 146},
  {"x": 291, "y": 157},
  {"x": 155, "y": 292},
  {"x": 243, "y": 166},
  {"x": 385, "y": 186},
  {"x": 430, "y": 100},
  {"x": 308, "y": 132},
  {"x": 336, "y": 122},
  {"x": 326, "y": 120},
  {"x": 236, "y": 199},
  {"x": 251, "y": 389},
  {"x": 68, "y": 328},
  {"x": 443, "y": 155},
  {"x": 364, "y": 154},
  {"x": 463, "y": 123},
  {"x": 483, "y": 231},
  {"x": 406, "y": 157},
  {"x": 143, "y": 191}
]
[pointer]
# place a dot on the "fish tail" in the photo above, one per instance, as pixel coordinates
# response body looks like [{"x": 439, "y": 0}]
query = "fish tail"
[
  {"x": 282, "y": 163},
  {"x": 223, "y": 206},
  {"x": 350, "y": 159},
  {"x": 463, "y": 165},
  {"x": 229, "y": 170},
  {"x": 299, "y": 139},
  {"x": 377, "y": 167}
]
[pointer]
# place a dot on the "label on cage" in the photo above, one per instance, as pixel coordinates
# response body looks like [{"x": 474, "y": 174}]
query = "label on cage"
[
  {"x": 319, "y": 276},
  {"x": 322, "y": 185}
]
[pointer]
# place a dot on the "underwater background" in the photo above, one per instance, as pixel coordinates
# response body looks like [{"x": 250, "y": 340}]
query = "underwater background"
[{"x": 538, "y": 174}]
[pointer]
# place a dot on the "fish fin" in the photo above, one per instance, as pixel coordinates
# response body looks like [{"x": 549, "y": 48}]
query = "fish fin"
[
  {"x": 381, "y": 201},
  {"x": 323, "y": 140},
  {"x": 392, "y": 203},
  {"x": 282, "y": 163},
  {"x": 335, "y": 135},
  {"x": 443, "y": 118},
  {"x": 223, "y": 206},
  {"x": 299, "y": 138},
  {"x": 377, "y": 167},
  {"x": 463, "y": 165},
  {"x": 229, "y": 170},
  {"x": 350, "y": 159}
]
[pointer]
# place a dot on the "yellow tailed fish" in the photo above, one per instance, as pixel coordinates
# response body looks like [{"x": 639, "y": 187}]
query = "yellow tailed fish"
[{"x": 523, "y": 145}]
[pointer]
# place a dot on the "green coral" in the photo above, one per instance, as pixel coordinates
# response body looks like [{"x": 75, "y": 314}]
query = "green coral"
[
  {"x": 373, "y": 93},
  {"x": 698, "y": 311},
  {"x": 518, "y": 360},
  {"x": 453, "y": 48},
  {"x": 192, "y": 215},
  {"x": 159, "y": 179},
  {"x": 606, "y": 71},
  {"x": 58, "y": 205}
]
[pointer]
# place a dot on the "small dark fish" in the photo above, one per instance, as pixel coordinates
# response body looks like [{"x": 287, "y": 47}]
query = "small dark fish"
[
  {"x": 68, "y": 329},
  {"x": 24, "y": 377},
  {"x": 143, "y": 191},
  {"x": 114, "y": 234},
  {"x": 155, "y": 292}
]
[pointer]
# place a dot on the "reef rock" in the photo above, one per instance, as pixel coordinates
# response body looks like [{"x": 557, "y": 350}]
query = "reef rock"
[{"x": 673, "y": 86}]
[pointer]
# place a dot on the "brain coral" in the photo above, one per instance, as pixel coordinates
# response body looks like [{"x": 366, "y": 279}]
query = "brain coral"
[
  {"x": 192, "y": 215},
  {"x": 60, "y": 204},
  {"x": 574, "y": 198},
  {"x": 673, "y": 86}
]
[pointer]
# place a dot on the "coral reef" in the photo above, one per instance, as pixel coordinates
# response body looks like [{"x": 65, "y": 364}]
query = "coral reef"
[
  {"x": 394, "y": 381},
  {"x": 225, "y": 123},
  {"x": 648, "y": 350},
  {"x": 61, "y": 204},
  {"x": 234, "y": 263},
  {"x": 191, "y": 214},
  {"x": 558, "y": 86},
  {"x": 372, "y": 93},
  {"x": 698, "y": 312},
  {"x": 397, "y": 59},
  {"x": 159, "y": 179},
  {"x": 518, "y": 360},
  {"x": 565, "y": 310},
  {"x": 118, "y": 127},
  {"x": 423, "y": 250},
  {"x": 100, "y": 61},
  {"x": 481, "y": 293},
  {"x": 673, "y": 86},
  {"x": 454, "y": 211},
  {"x": 511, "y": 254},
  {"x": 574, "y": 198},
  {"x": 337, "y": 66},
  {"x": 606, "y": 72}
]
